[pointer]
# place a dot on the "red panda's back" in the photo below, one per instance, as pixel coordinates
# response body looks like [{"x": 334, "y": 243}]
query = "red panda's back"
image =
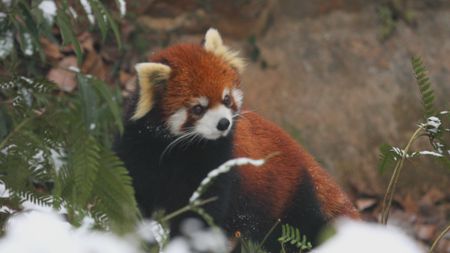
[{"x": 276, "y": 182}]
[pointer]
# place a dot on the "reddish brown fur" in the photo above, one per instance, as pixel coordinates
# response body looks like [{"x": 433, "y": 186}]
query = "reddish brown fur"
[
  {"x": 191, "y": 62},
  {"x": 258, "y": 138},
  {"x": 195, "y": 73}
]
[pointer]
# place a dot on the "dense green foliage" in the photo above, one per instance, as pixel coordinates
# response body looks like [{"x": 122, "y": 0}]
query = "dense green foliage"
[{"x": 56, "y": 149}]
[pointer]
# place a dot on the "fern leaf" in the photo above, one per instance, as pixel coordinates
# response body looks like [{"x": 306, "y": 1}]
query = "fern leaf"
[
  {"x": 424, "y": 84},
  {"x": 114, "y": 191},
  {"x": 292, "y": 236},
  {"x": 84, "y": 161},
  {"x": 386, "y": 158}
]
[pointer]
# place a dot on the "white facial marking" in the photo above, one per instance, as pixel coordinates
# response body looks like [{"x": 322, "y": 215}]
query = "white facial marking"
[
  {"x": 238, "y": 96},
  {"x": 203, "y": 101},
  {"x": 176, "y": 121},
  {"x": 207, "y": 125},
  {"x": 225, "y": 92}
]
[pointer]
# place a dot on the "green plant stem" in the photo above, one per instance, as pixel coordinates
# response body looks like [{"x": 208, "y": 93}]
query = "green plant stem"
[
  {"x": 268, "y": 233},
  {"x": 14, "y": 131},
  {"x": 387, "y": 201},
  {"x": 187, "y": 208},
  {"x": 441, "y": 235}
]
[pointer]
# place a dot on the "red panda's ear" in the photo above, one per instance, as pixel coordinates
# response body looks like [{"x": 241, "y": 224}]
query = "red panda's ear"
[
  {"x": 149, "y": 74},
  {"x": 213, "y": 43}
]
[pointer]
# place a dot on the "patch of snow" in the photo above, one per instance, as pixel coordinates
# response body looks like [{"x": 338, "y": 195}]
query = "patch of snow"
[
  {"x": 122, "y": 7},
  {"x": 178, "y": 245},
  {"x": 57, "y": 158},
  {"x": 433, "y": 124},
  {"x": 74, "y": 69},
  {"x": 26, "y": 94},
  {"x": 430, "y": 153},
  {"x": 28, "y": 44},
  {"x": 197, "y": 238},
  {"x": 7, "y": 148},
  {"x": 92, "y": 126},
  {"x": 48, "y": 8},
  {"x": 4, "y": 193},
  {"x": 87, "y": 8},
  {"x": 2, "y": 16},
  {"x": 50, "y": 233},
  {"x": 356, "y": 237},
  {"x": 26, "y": 79},
  {"x": 6, "y": 44},
  {"x": 7, "y": 3},
  {"x": 73, "y": 12}
]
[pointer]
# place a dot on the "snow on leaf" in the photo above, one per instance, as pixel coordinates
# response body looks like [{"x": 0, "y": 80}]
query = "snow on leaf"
[
  {"x": 122, "y": 7},
  {"x": 88, "y": 9},
  {"x": 6, "y": 44},
  {"x": 48, "y": 9}
]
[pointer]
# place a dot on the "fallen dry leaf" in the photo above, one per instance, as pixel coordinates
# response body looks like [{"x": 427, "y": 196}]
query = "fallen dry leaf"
[
  {"x": 64, "y": 78},
  {"x": 365, "y": 203},
  {"x": 51, "y": 50},
  {"x": 425, "y": 232}
]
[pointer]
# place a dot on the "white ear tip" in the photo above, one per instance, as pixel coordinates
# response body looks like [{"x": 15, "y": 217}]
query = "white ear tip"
[
  {"x": 212, "y": 32},
  {"x": 213, "y": 36},
  {"x": 141, "y": 66}
]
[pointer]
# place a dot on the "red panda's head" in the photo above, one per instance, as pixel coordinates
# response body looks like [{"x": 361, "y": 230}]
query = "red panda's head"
[{"x": 195, "y": 86}]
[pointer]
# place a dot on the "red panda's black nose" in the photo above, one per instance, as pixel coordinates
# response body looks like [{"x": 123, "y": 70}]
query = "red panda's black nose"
[{"x": 223, "y": 124}]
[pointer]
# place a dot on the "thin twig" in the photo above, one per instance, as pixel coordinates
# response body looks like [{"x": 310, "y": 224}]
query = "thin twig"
[
  {"x": 187, "y": 208},
  {"x": 269, "y": 233},
  {"x": 14, "y": 131},
  {"x": 387, "y": 201},
  {"x": 441, "y": 235}
]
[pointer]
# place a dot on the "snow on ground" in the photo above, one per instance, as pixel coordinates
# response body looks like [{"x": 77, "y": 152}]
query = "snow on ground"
[
  {"x": 37, "y": 232},
  {"x": 357, "y": 237}
]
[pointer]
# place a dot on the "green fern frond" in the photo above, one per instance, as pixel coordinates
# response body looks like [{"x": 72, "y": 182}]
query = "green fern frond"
[
  {"x": 114, "y": 192},
  {"x": 424, "y": 84},
  {"x": 248, "y": 246},
  {"x": 85, "y": 161},
  {"x": 386, "y": 158},
  {"x": 291, "y": 235}
]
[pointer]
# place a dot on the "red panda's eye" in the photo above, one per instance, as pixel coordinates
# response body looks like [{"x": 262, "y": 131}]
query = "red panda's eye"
[
  {"x": 227, "y": 101},
  {"x": 198, "y": 110}
]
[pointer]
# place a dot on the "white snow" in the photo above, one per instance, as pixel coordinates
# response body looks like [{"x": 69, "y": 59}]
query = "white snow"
[
  {"x": 7, "y": 3},
  {"x": 57, "y": 158},
  {"x": 74, "y": 69},
  {"x": 196, "y": 238},
  {"x": 357, "y": 237},
  {"x": 38, "y": 232},
  {"x": 7, "y": 148},
  {"x": 28, "y": 44},
  {"x": 2, "y": 16},
  {"x": 87, "y": 8},
  {"x": 48, "y": 9},
  {"x": 122, "y": 7},
  {"x": 433, "y": 124},
  {"x": 73, "y": 12},
  {"x": 92, "y": 126},
  {"x": 6, "y": 44},
  {"x": 425, "y": 152}
]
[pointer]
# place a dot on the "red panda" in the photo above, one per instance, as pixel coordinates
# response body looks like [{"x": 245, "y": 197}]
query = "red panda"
[{"x": 187, "y": 118}]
